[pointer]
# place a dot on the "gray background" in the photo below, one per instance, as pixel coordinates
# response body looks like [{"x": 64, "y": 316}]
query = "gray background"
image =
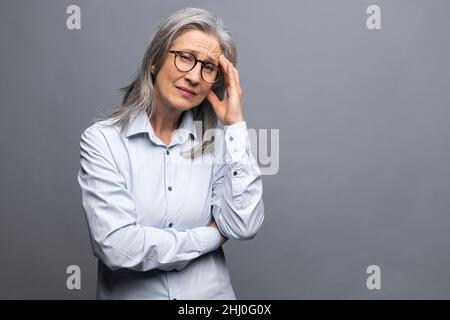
[{"x": 364, "y": 141}]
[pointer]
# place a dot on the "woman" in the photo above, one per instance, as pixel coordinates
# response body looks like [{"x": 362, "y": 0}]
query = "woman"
[{"x": 160, "y": 192}]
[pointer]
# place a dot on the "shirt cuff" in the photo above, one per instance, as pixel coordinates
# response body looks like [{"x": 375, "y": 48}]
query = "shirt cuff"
[
  {"x": 237, "y": 141},
  {"x": 208, "y": 237}
]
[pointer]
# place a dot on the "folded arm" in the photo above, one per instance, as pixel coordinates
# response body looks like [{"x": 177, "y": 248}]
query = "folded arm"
[{"x": 117, "y": 239}]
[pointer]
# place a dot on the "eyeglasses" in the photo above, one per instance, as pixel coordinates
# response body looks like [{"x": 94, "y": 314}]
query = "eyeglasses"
[{"x": 185, "y": 62}]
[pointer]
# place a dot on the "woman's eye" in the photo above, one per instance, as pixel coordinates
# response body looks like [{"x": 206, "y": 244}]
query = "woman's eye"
[
  {"x": 185, "y": 57},
  {"x": 209, "y": 68}
]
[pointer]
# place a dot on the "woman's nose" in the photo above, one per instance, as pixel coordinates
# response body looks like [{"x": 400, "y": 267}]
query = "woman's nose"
[{"x": 195, "y": 75}]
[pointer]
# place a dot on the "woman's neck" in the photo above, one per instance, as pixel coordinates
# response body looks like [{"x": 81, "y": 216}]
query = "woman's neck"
[{"x": 164, "y": 122}]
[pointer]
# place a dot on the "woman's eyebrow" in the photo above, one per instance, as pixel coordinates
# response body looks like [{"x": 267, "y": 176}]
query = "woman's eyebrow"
[{"x": 195, "y": 52}]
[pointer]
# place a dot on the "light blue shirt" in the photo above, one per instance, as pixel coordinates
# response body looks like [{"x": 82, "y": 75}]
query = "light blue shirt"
[{"x": 148, "y": 208}]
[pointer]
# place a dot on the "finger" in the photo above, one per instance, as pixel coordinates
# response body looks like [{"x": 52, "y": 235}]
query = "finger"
[
  {"x": 226, "y": 59},
  {"x": 238, "y": 80},
  {"x": 216, "y": 104},
  {"x": 225, "y": 64},
  {"x": 232, "y": 77},
  {"x": 236, "y": 75},
  {"x": 213, "y": 98}
]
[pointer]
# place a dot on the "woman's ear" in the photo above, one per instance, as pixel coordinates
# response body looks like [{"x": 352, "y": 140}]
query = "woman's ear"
[{"x": 152, "y": 73}]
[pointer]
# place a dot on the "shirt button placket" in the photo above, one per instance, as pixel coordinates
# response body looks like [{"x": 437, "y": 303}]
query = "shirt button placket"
[{"x": 172, "y": 277}]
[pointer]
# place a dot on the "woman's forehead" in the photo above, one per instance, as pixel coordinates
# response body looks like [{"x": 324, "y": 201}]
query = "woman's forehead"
[{"x": 198, "y": 42}]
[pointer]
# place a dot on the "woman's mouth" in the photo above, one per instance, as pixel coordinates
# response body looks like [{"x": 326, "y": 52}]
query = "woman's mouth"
[{"x": 186, "y": 92}]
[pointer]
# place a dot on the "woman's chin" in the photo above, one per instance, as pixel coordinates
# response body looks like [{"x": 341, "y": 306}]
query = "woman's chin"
[{"x": 183, "y": 105}]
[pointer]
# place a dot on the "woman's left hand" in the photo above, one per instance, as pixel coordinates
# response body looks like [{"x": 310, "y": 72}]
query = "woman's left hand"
[{"x": 229, "y": 110}]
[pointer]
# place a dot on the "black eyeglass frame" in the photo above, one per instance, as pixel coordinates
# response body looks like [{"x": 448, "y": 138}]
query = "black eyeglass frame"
[{"x": 178, "y": 52}]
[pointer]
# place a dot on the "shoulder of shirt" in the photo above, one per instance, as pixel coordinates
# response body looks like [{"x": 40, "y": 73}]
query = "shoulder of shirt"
[
  {"x": 105, "y": 139},
  {"x": 104, "y": 128}
]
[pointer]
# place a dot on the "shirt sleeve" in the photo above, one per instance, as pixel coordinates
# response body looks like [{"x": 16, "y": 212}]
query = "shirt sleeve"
[
  {"x": 117, "y": 239},
  {"x": 237, "y": 204}
]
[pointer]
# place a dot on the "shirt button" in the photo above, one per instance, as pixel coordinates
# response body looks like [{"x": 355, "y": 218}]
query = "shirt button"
[
  {"x": 167, "y": 152},
  {"x": 235, "y": 173},
  {"x": 231, "y": 138},
  {"x": 170, "y": 188},
  {"x": 170, "y": 225}
]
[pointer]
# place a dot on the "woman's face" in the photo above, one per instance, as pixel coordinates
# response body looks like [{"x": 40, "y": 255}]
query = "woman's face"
[{"x": 171, "y": 84}]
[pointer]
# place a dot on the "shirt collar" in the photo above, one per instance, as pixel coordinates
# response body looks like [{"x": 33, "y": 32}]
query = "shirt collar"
[{"x": 141, "y": 124}]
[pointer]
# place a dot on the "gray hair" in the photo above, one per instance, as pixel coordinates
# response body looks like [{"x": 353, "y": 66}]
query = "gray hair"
[{"x": 139, "y": 95}]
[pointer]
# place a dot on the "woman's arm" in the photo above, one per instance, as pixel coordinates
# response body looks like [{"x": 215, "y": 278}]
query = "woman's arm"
[
  {"x": 237, "y": 204},
  {"x": 117, "y": 239}
]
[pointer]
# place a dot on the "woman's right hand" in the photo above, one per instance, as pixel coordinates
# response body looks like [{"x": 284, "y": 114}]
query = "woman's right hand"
[{"x": 214, "y": 225}]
